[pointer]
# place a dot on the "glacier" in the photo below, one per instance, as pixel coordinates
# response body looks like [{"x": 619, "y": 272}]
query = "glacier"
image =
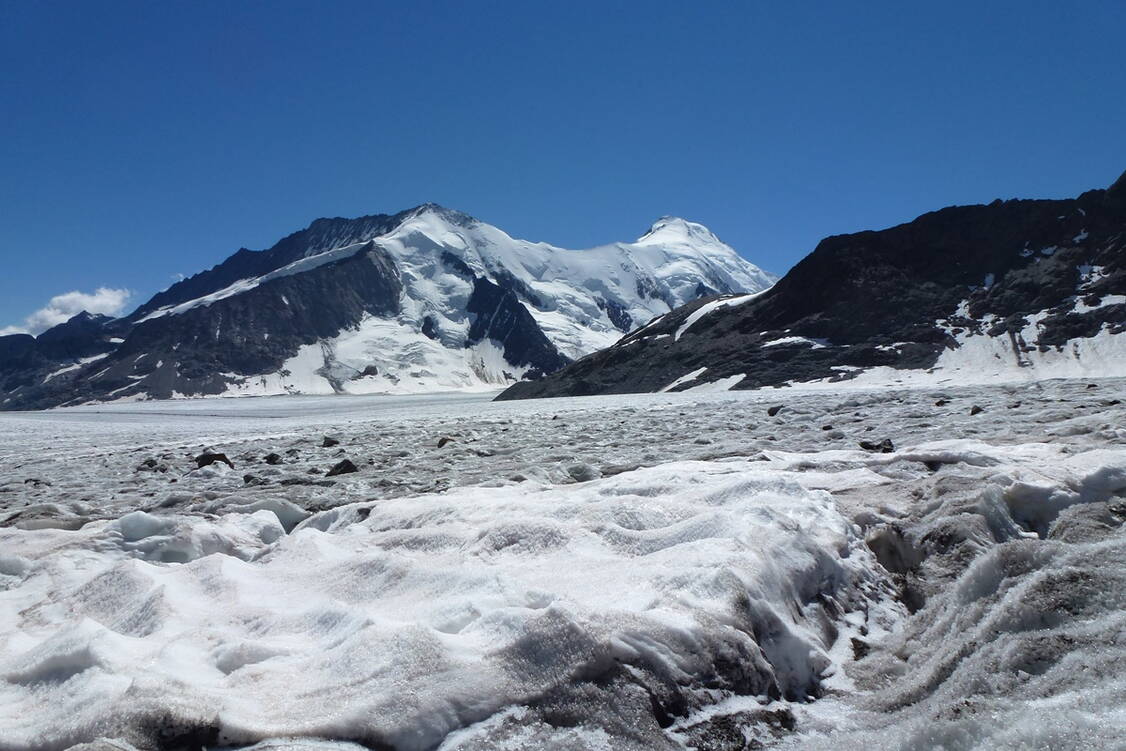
[{"x": 654, "y": 571}]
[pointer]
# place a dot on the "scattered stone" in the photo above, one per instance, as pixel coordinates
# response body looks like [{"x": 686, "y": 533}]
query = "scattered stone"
[
  {"x": 342, "y": 467},
  {"x": 272, "y": 458},
  {"x": 860, "y": 649},
  {"x": 941, "y": 403},
  {"x": 329, "y": 442},
  {"x": 884, "y": 447},
  {"x": 444, "y": 440},
  {"x": 207, "y": 458},
  {"x": 1092, "y": 385},
  {"x": 826, "y": 427},
  {"x": 152, "y": 465},
  {"x": 251, "y": 480},
  {"x": 975, "y": 410},
  {"x": 37, "y": 482},
  {"x": 1014, "y": 405},
  {"x": 774, "y": 410}
]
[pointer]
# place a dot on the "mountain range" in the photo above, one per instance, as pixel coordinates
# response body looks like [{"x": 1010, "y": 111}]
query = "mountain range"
[
  {"x": 1013, "y": 290},
  {"x": 431, "y": 299},
  {"x": 428, "y": 299}
]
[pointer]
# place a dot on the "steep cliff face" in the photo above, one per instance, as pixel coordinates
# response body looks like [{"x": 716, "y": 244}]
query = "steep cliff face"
[
  {"x": 427, "y": 299},
  {"x": 1014, "y": 289},
  {"x": 499, "y": 316}
]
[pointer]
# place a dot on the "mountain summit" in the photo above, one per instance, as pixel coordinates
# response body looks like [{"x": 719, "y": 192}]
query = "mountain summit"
[
  {"x": 672, "y": 230},
  {"x": 1015, "y": 290},
  {"x": 427, "y": 299}
]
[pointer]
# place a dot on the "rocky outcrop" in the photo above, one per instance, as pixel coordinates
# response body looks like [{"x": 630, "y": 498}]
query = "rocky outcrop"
[{"x": 499, "y": 315}]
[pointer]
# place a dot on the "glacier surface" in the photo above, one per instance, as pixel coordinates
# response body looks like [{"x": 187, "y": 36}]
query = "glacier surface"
[{"x": 669, "y": 571}]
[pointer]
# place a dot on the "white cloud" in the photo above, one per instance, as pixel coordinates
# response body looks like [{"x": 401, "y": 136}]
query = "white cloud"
[{"x": 105, "y": 300}]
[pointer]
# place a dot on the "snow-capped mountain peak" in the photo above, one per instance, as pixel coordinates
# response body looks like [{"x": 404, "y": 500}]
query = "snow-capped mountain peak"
[
  {"x": 1015, "y": 290},
  {"x": 582, "y": 299},
  {"x": 426, "y": 299},
  {"x": 673, "y": 230},
  {"x": 444, "y": 214}
]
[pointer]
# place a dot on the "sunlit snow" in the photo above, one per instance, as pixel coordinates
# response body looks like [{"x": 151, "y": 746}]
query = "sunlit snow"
[
  {"x": 567, "y": 292},
  {"x": 632, "y": 572}
]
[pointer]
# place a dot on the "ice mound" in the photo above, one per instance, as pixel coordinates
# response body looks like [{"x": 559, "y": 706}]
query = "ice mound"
[
  {"x": 1019, "y": 570},
  {"x": 575, "y": 613},
  {"x": 1026, "y": 651}
]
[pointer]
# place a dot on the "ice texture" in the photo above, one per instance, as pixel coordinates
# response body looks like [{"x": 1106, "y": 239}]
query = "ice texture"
[
  {"x": 636, "y": 572},
  {"x": 397, "y": 622}
]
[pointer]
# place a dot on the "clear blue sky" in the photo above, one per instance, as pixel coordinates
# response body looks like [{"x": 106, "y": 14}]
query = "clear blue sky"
[{"x": 140, "y": 140}]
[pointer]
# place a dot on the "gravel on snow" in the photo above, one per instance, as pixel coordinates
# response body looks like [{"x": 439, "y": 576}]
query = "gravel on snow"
[{"x": 927, "y": 568}]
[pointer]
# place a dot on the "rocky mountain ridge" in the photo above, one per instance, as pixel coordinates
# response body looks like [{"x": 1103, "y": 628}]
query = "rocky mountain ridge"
[
  {"x": 1013, "y": 290},
  {"x": 428, "y": 299}
]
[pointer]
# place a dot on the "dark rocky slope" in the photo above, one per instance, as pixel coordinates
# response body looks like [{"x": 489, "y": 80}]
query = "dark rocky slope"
[
  {"x": 891, "y": 298},
  {"x": 320, "y": 236}
]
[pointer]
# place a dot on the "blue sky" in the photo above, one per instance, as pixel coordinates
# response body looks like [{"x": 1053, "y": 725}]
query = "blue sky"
[{"x": 141, "y": 140}]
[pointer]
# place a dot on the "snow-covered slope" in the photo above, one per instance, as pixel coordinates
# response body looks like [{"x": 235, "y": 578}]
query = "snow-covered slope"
[
  {"x": 1016, "y": 290},
  {"x": 584, "y": 300},
  {"x": 429, "y": 299}
]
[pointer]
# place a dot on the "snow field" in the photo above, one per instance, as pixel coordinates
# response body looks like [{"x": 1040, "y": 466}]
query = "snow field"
[
  {"x": 636, "y": 572},
  {"x": 399, "y": 622}
]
